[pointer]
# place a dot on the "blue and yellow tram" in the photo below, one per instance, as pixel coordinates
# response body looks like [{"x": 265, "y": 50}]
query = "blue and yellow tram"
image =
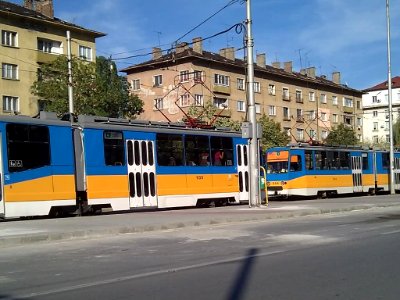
[
  {"x": 53, "y": 166},
  {"x": 322, "y": 171}
]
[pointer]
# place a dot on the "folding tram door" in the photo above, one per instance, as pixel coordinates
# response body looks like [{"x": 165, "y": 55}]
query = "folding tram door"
[
  {"x": 242, "y": 152},
  {"x": 141, "y": 173},
  {"x": 396, "y": 173},
  {"x": 356, "y": 170}
]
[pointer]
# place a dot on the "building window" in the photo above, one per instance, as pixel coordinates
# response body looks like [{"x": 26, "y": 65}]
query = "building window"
[
  {"x": 387, "y": 125},
  {"x": 323, "y": 116},
  {"x": 286, "y": 113},
  {"x": 257, "y": 87},
  {"x": 241, "y": 105},
  {"x": 388, "y": 138},
  {"x": 198, "y": 100},
  {"x": 9, "y": 71},
  {"x": 287, "y": 130},
  {"x": 312, "y": 134},
  {"x": 220, "y": 102},
  {"x": 157, "y": 80},
  {"x": 312, "y": 115},
  {"x": 10, "y": 104},
  {"x": 184, "y": 76},
  {"x": 272, "y": 110},
  {"x": 323, "y": 98},
  {"x": 258, "y": 108},
  {"x": 136, "y": 84},
  {"x": 358, "y": 103},
  {"x": 240, "y": 84},
  {"x": 271, "y": 89},
  {"x": 311, "y": 96},
  {"x": 158, "y": 103},
  {"x": 348, "y": 120},
  {"x": 375, "y": 113},
  {"x": 335, "y": 118},
  {"x": 85, "y": 53},
  {"x": 285, "y": 94},
  {"x": 299, "y": 115},
  {"x": 334, "y": 100},
  {"x": 9, "y": 38},
  {"x": 375, "y": 138},
  {"x": 299, "y": 96},
  {"x": 347, "y": 102},
  {"x": 185, "y": 100},
  {"x": 198, "y": 76},
  {"x": 324, "y": 134},
  {"x": 359, "y": 121},
  {"x": 375, "y": 99},
  {"x": 221, "y": 79},
  {"x": 49, "y": 46},
  {"x": 375, "y": 126},
  {"x": 300, "y": 134}
]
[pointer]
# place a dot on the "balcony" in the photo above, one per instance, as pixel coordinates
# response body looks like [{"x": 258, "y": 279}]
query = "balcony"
[
  {"x": 43, "y": 57},
  {"x": 286, "y": 98},
  {"x": 347, "y": 109},
  {"x": 222, "y": 89}
]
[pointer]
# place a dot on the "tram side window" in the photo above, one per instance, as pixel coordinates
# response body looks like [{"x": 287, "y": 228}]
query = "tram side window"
[
  {"x": 309, "y": 160},
  {"x": 197, "y": 149},
  {"x": 114, "y": 154},
  {"x": 320, "y": 160},
  {"x": 222, "y": 151},
  {"x": 365, "y": 165},
  {"x": 295, "y": 163},
  {"x": 344, "y": 160},
  {"x": 28, "y": 147},
  {"x": 169, "y": 149},
  {"x": 385, "y": 160}
]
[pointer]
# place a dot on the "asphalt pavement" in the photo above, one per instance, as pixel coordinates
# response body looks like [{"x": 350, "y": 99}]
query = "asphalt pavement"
[{"x": 36, "y": 230}]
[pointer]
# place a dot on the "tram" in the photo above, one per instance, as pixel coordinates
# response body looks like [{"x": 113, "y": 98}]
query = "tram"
[
  {"x": 304, "y": 170},
  {"x": 50, "y": 166}
]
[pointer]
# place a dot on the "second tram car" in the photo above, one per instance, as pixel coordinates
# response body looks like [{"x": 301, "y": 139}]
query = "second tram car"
[{"x": 324, "y": 171}]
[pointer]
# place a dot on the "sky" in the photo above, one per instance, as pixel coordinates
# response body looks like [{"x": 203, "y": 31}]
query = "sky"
[{"x": 346, "y": 36}]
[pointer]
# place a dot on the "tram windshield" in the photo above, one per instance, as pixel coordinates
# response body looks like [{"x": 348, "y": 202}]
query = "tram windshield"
[{"x": 277, "y": 162}]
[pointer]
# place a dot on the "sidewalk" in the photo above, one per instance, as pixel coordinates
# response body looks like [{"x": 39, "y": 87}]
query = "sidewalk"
[{"x": 19, "y": 232}]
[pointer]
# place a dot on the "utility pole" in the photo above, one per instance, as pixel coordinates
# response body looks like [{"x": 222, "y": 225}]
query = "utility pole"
[
  {"x": 70, "y": 94},
  {"x": 254, "y": 159},
  {"x": 390, "y": 108}
]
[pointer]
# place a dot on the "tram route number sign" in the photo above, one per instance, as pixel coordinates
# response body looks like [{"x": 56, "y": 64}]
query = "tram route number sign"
[{"x": 15, "y": 163}]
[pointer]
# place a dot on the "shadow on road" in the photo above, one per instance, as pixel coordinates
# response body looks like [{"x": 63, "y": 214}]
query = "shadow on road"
[{"x": 239, "y": 285}]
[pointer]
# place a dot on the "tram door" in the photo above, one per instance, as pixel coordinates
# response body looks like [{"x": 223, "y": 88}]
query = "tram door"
[
  {"x": 2, "y": 205},
  {"x": 242, "y": 152},
  {"x": 141, "y": 173},
  {"x": 396, "y": 173},
  {"x": 356, "y": 170}
]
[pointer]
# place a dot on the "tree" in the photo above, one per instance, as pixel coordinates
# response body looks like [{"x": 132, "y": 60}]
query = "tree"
[
  {"x": 396, "y": 132},
  {"x": 272, "y": 133},
  {"x": 97, "y": 88},
  {"x": 341, "y": 135}
]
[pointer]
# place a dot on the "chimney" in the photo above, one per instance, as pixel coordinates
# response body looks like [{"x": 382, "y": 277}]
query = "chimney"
[
  {"x": 276, "y": 64},
  {"x": 288, "y": 66},
  {"x": 28, "y": 4},
  {"x": 198, "y": 45},
  {"x": 260, "y": 58},
  {"x": 44, "y": 7},
  {"x": 336, "y": 77},
  {"x": 228, "y": 53},
  {"x": 181, "y": 47},
  {"x": 310, "y": 72},
  {"x": 157, "y": 53}
]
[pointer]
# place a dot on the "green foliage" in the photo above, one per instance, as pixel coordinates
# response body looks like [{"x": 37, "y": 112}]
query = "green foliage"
[
  {"x": 272, "y": 134},
  {"x": 396, "y": 133},
  {"x": 341, "y": 135},
  {"x": 97, "y": 88}
]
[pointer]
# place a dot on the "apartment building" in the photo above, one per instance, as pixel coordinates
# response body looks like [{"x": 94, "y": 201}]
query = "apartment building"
[
  {"x": 306, "y": 105},
  {"x": 376, "y": 112},
  {"x": 30, "y": 36}
]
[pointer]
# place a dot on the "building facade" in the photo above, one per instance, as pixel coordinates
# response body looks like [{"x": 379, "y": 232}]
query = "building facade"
[
  {"x": 30, "y": 36},
  {"x": 307, "y": 106},
  {"x": 376, "y": 112}
]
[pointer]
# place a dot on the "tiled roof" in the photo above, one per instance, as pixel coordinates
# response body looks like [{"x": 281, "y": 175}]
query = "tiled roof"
[
  {"x": 8, "y": 7},
  {"x": 189, "y": 54},
  {"x": 384, "y": 85}
]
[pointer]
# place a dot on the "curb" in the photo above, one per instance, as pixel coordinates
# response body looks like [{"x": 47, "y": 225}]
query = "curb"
[{"x": 90, "y": 233}]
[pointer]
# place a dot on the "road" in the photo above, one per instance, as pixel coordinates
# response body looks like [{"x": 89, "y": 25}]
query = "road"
[{"x": 352, "y": 255}]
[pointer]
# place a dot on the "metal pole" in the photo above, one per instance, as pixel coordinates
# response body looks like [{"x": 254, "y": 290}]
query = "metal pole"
[
  {"x": 254, "y": 161},
  {"x": 70, "y": 94},
  {"x": 391, "y": 156}
]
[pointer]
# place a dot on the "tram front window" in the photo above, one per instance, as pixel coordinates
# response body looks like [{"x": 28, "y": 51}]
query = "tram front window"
[{"x": 277, "y": 167}]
